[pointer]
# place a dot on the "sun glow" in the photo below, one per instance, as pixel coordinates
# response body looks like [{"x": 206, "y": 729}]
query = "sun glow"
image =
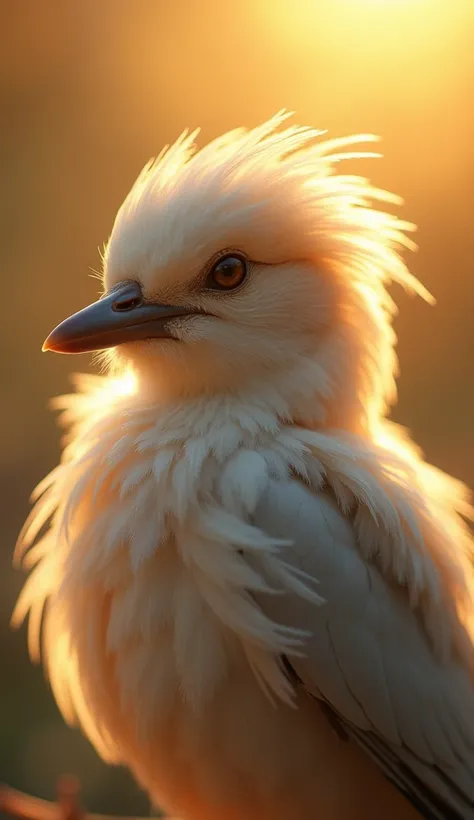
[
  {"x": 363, "y": 29},
  {"x": 124, "y": 385},
  {"x": 93, "y": 397},
  {"x": 104, "y": 390}
]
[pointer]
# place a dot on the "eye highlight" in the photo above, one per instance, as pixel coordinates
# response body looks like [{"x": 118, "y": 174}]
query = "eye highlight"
[{"x": 227, "y": 273}]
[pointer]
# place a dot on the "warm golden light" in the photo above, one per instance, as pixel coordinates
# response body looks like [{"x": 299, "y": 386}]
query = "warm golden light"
[
  {"x": 124, "y": 385},
  {"x": 363, "y": 28},
  {"x": 92, "y": 91}
]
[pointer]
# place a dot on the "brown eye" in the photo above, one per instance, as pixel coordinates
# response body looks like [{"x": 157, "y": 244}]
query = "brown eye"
[{"x": 227, "y": 273}]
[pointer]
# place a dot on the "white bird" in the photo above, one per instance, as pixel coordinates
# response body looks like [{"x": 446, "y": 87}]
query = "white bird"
[{"x": 258, "y": 595}]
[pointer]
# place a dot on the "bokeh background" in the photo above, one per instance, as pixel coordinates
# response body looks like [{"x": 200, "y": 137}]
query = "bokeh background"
[{"x": 89, "y": 90}]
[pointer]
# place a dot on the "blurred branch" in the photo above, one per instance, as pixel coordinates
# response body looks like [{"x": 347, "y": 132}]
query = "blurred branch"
[{"x": 68, "y": 807}]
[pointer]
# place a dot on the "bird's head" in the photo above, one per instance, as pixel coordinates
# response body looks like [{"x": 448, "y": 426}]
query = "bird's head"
[{"x": 249, "y": 268}]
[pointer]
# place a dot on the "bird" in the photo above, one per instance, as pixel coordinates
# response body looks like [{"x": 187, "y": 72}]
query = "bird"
[{"x": 246, "y": 583}]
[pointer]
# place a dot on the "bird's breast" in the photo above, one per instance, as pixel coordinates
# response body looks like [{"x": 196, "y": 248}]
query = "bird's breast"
[
  {"x": 151, "y": 634},
  {"x": 170, "y": 689},
  {"x": 153, "y": 525}
]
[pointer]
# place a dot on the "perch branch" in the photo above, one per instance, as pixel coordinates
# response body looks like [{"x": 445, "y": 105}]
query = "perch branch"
[{"x": 25, "y": 807}]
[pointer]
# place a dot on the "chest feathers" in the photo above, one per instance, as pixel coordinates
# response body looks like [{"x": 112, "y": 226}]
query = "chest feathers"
[{"x": 143, "y": 567}]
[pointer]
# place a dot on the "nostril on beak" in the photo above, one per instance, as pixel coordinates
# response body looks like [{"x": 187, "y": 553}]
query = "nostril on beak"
[
  {"x": 122, "y": 305},
  {"x": 128, "y": 298}
]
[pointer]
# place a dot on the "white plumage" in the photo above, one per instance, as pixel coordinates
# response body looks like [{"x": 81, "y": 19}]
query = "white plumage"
[{"x": 258, "y": 595}]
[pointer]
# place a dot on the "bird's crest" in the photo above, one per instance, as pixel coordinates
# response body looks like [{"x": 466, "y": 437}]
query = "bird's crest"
[{"x": 290, "y": 174}]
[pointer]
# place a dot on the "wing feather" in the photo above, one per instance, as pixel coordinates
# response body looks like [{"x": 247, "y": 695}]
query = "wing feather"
[{"x": 369, "y": 657}]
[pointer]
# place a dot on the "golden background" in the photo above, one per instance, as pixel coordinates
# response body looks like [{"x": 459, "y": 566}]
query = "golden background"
[{"x": 89, "y": 90}]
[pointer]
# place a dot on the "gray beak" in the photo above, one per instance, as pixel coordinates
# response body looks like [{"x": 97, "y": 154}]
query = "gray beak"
[{"x": 119, "y": 316}]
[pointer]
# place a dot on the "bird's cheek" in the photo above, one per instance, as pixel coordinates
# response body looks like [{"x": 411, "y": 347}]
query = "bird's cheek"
[{"x": 187, "y": 329}]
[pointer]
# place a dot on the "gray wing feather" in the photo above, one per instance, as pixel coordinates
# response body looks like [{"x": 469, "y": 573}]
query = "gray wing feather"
[{"x": 369, "y": 658}]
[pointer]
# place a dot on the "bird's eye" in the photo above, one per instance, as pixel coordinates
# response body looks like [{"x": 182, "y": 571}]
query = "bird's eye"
[{"x": 227, "y": 273}]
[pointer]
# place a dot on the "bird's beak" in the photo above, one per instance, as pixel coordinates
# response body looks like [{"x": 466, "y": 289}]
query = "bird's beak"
[{"x": 119, "y": 316}]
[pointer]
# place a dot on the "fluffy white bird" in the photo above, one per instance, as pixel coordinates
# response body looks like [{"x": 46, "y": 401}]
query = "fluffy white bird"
[{"x": 259, "y": 596}]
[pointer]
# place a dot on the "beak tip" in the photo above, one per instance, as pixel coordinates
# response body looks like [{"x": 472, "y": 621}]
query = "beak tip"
[{"x": 52, "y": 344}]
